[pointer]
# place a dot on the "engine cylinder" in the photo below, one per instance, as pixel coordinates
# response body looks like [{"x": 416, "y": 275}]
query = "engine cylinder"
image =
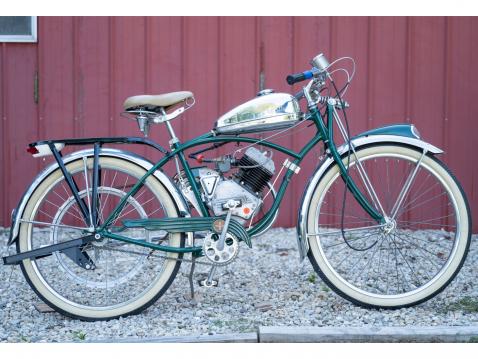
[{"x": 256, "y": 169}]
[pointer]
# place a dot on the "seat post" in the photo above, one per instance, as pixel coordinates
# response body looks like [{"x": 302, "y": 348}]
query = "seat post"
[{"x": 174, "y": 139}]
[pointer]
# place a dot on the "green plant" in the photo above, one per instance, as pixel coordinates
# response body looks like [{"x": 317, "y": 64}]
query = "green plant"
[
  {"x": 24, "y": 339},
  {"x": 312, "y": 278},
  {"x": 466, "y": 304},
  {"x": 79, "y": 335}
]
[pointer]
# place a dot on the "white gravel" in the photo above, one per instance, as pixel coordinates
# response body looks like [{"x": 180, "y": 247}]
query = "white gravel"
[{"x": 264, "y": 286}]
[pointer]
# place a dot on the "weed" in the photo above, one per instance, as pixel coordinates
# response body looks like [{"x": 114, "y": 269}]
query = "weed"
[
  {"x": 466, "y": 304},
  {"x": 312, "y": 278},
  {"x": 79, "y": 335},
  {"x": 24, "y": 339}
]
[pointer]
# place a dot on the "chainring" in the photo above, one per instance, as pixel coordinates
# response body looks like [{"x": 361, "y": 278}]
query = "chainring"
[{"x": 220, "y": 257}]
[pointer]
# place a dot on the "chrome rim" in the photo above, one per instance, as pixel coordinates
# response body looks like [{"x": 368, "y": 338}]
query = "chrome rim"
[
  {"x": 406, "y": 255},
  {"x": 98, "y": 249},
  {"x": 126, "y": 272}
]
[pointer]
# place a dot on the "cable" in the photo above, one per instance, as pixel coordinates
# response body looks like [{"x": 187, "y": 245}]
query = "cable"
[
  {"x": 347, "y": 175},
  {"x": 349, "y": 77}
]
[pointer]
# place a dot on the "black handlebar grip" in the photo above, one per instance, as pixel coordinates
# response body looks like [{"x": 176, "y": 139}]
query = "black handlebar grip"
[
  {"x": 294, "y": 78},
  {"x": 301, "y": 76}
]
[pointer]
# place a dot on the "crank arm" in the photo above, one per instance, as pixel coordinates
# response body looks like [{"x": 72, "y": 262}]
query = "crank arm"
[{"x": 67, "y": 247}]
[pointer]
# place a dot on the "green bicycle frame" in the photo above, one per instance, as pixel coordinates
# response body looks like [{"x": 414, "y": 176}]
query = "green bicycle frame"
[{"x": 324, "y": 133}]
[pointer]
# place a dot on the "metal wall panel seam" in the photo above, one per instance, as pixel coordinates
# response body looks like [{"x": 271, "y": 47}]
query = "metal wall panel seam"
[
  {"x": 408, "y": 74},
  {"x": 111, "y": 74},
  {"x": 5, "y": 157},
  {"x": 370, "y": 75}
]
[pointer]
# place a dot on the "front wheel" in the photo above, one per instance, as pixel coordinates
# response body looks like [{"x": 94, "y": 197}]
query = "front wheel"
[{"x": 405, "y": 261}]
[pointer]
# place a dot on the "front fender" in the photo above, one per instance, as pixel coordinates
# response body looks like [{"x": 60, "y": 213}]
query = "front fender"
[
  {"x": 129, "y": 156},
  {"x": 402, "y": 133}
]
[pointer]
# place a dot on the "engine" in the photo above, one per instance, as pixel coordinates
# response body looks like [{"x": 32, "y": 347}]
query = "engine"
[{"x": 255, "y": 169}]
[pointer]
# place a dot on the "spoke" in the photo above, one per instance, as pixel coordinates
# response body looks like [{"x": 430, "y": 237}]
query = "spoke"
[
  {"x": 366, "y": 264},
  {"x": 53, "y": 225},
  {"x": 419, "y": 189},
  {"x": 346, "y": 230},
  {"x": 388, "y": 194},
  {"x": 353, "y": 266},
  {"x": 131, "y": 210},
  {"x": 108, "y": 194},
  {"x": 388, "y": 266},
  {"x": 439, "y": 225},
  {"x": 129, "y": 204},
  {"x": 55, "y": 205},
  {"x": 405, "y": 259},
  {"x": 422, "y": 203},
  {"x": 156, "y": 210},
  {"x": 349, "y": 240},
  {"x": 404, "y": 192},
  {"x": 426, "y": 220},
  {"x": 414, "y": 237},
  {"x": 379, "y": 273},
  {"x": 411, "y": 191},
  {"x": 339, "y": 224},
  {"x": 72, "y": 207},
  {"x": 436, "y": 227},
  {"x": 100, "y": 212},
  {"x": 46, "y": 214},
  {"x": 124, "y": 186},
  {"x": 396, "y": 265},
  {"x": 422, "y": 249},
  {"x": 345, "y": 215},
  {"x": 416, "y": 199}
]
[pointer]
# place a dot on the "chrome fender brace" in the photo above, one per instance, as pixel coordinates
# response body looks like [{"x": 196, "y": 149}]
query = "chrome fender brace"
[
  {"x": 400, "y": 134},
  {"x": 129, "y": 156}
]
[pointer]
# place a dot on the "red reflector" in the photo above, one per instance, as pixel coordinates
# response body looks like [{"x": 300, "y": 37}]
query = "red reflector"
[
  {"x": 199, "y": 158},
  {"x": 32, "y": 150}
]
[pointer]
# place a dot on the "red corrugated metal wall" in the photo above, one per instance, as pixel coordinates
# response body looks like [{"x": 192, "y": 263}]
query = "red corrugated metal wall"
[{"x": 419, "y": 70}]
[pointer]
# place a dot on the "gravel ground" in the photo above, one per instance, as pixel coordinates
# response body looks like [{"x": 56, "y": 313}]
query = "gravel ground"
[{"x": 264, "y": 286}]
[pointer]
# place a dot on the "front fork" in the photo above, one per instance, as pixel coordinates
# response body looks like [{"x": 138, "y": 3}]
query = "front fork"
[{"x": 328, "y": 135}]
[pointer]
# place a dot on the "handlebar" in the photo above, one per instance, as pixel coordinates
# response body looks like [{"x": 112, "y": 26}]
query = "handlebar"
[{"x": 301, "y": 76}]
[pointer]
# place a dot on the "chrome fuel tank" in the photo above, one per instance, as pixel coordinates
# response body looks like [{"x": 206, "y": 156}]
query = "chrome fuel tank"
[{"x": 272, "y": 111}]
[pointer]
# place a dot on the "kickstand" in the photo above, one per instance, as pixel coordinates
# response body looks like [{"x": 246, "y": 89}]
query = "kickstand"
[{"x": 190, "y": 276}]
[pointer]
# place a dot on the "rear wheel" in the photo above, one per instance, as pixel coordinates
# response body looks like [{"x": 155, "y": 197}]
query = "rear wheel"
[
  {"x": 405, "y": 261},
  {"x": 127, "y": 278}
]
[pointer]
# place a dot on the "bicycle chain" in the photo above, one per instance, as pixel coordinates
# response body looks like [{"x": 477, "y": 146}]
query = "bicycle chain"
[{"x": 151, "y": 254}]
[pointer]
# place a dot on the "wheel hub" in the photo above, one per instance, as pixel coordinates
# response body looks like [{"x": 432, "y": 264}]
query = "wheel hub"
[
  {"x": 99, "y": 241},
  {"x": 390, "y": 226}
]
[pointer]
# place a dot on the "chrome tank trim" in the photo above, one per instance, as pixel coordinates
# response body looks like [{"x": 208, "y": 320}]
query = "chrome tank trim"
[
  {"x": 271, "y": 111},
  {"x": 130, "y": 156},
  {"x": 302, "y": 239}
]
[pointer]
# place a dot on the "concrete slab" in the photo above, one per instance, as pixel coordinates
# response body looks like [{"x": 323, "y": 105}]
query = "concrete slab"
[
  {"x": 368, "y": 334},
  {"x": 216, "y": 338}
]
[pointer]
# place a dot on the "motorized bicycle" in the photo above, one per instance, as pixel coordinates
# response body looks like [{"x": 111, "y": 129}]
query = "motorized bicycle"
[{"x": 101, "y": 232}]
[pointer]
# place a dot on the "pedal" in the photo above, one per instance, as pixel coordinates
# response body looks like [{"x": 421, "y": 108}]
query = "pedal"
[{"x": 204, "y": 283}]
